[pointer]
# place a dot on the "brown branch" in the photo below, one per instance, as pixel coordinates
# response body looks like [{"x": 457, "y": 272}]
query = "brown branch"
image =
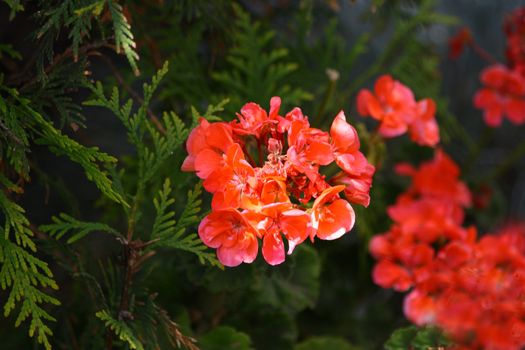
[
  {"x": 10, "y": 134},
  {"x": 175, "y": 335},
  {"x": 482, "y": 53}
]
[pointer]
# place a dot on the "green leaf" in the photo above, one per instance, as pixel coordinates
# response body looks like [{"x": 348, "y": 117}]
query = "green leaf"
[
  {"x": 416, "y": 338},
  {"x": 84, "y": 156},
  {"x": 24, "y": 274},
  {"x": 123, "y": 36},
  {"x": 401, "y": 339},
  {"x": 280, "y": 325},
  {"x": 225, "y": 337},
  {"x": 174, "y": 130},
  {"x": 257, "y": 72},
  {"x": 8, "y": 50},
  {"x": 95, "y": 8},
  {"x": 120, "y": 328},
  {"x": 15, "y": 6},
  {"x": 164, "y": 220},
  {"x": 46, "y": 134},
  {"x": 324, "y": 343},
  {"x": 171, "y": 233},
  {"x": 430, "y": 337},
  {"x": 164, "y": 145},
  {"x": 294, "y": 285},
  {"x": 75, "y": 229}
]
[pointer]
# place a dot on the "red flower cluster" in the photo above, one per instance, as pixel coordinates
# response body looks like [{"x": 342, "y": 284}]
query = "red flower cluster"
[
  {"x": 515, "y": 31},
  {"x": 430, "y": 212},
  {"x": 473, "y": 289},
  {"x": 503, "y": 93},
  {"x": 263, "y": 172},
  {"x": 395, "y": 107}
]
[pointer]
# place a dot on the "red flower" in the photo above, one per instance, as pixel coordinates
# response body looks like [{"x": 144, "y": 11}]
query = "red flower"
[
  {"x": 228, "y": 183},
  {"x": 424, "y": 129},
  {"x": 503, "y": 95},
  {"x": 395, "y": 107},
  {"x": 263, "y": 170},
  {"x": 357, "y": 172},
  {"x": 515, "y": 30},
  {"x": 206, "y": 144},
  {"x": 332, "y": 216},
  {"x": 420, "y": 308},
  {"x": 390, "y": 275},
  {"x": 276, "y": 219},
  {"x": 233, "y": 236},
  {"x": 457, "y": 42},
  {"x": 438, "y": 178}
]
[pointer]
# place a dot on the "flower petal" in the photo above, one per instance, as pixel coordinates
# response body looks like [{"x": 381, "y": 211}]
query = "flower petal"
[{"x": 273, "y": 248}]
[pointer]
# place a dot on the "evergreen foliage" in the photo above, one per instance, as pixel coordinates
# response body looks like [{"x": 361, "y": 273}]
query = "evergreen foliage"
[
  {"x": 256, "y": 72},
  {"x": 123, "y": 37},
  {"x": 24, "y": 274},
  {"x": 170, "y": 233},
  {"x": 121, "y": 329},
  {"x": 75, "y": 229}
]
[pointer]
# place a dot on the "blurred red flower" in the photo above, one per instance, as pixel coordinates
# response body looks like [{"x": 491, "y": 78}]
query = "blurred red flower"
[
  {"x": 458, "y": 42},
  {"x": 502, "y": 95},
  {"x": 394, "y": 106}
]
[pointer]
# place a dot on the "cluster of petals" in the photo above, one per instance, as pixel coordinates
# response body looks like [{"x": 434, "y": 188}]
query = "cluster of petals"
[
  {"x": 503, "y": 91},
  {"x": 503, "y": 94},
  {"x": 431, "y": 211},
  {"x": 514, "y": 28},
  {"x": 263, "y": 171},
  {"x": 395, "y": 107},
  {"x": 473, "y": 289}
]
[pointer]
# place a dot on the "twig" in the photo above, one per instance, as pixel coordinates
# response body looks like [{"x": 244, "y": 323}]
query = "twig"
[
  {"x": 482, "y": 53},
  {"x": 130, "y": 250},
  {"x": 59, "y": 59},
  {"x": 10, "y": 134}
]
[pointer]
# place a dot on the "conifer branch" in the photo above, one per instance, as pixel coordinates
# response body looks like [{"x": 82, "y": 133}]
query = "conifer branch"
[
  {"x": 24, "y": 274},
  {"x": 65, "y": 224},
  {"x": 120, "y": 328},
  {"x": 132, "y": 92}
]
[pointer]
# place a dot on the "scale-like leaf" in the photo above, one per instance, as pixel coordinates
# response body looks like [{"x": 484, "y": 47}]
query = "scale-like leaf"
[
  {"x": 74, "y": 229},
  {"x": 121, "y": 329}
]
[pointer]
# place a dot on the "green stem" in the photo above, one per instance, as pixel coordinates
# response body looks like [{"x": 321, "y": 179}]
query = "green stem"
[{"x": 132, "y": 219}]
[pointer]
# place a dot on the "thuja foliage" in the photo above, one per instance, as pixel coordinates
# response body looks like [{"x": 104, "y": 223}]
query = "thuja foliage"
[{"x": 99, "y": 246}]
